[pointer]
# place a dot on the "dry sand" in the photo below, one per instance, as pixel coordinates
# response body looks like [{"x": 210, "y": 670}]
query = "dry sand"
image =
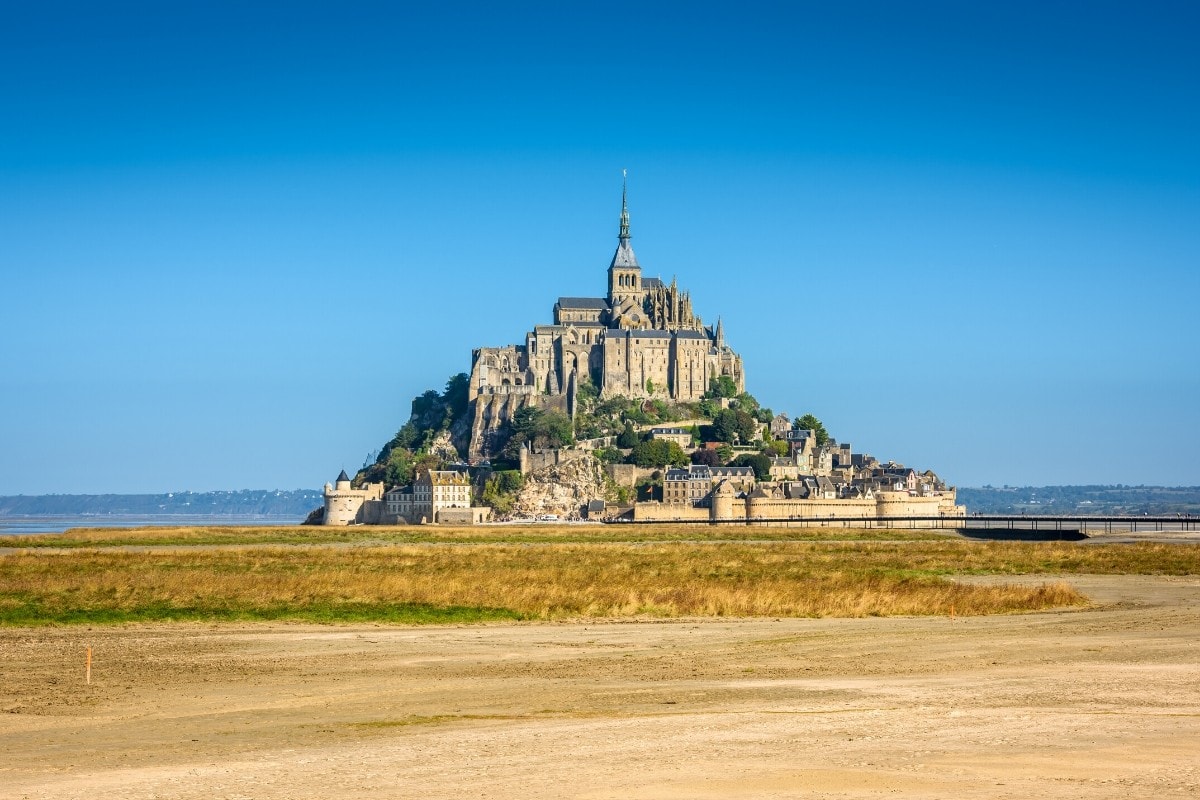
[{"x": 1102, "y": 703}]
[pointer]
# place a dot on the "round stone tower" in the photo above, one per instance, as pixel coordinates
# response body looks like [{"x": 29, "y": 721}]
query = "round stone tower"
[
  {"x": 722, "y": 502},
  {"x": 341, "y": 502}
]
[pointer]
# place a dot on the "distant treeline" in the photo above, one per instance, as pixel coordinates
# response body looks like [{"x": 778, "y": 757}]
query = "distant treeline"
[
  {"x": 1092, "y": 500},
  {"x": 246, "y": 502}
]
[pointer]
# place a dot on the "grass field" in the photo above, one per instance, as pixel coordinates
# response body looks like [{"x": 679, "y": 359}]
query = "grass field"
[
  {"x": 374, "y": 534},
  {"x": 428, "y": 575}
]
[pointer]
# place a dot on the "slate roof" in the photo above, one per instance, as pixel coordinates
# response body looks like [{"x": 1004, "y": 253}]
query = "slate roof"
[
  {"x": 652, "y": 283},
  {"x": 342, "y": 476},
  {"x": 583, "y": 302},
  {"x": 624, "y": 256},
  {"x": 729, "y": 472}
]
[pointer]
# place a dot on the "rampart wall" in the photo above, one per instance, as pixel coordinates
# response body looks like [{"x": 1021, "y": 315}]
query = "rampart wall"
[
  {"x": 780, "y": 508},
  {"x": 534, "y": 461}
]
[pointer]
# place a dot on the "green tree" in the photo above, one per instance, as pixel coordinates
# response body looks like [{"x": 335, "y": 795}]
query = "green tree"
[
  {"x": 746, "y": 402},
  {"x": 457, "y": 396},
  {"x": 733, "y": 426},
  {"x": 538, "y": 428},
  {"x": 779, "y": 447},
  {"x": 628, "y": 437},
  {"x": 724, "y": 427},
  {"x": 658, "y": 453},
  {"x": 608, "y": 455},
  {"x": 399, "y": 470},
  {"x": 426, "y": 409},
  {"x": 586, "y": 392},
  {"x": 500, "y": 490},
  {"x": 544, "y": 428},
  {"x": 649, "y": 386},
  {"x": 556, "y": 430},
  {"x": 760, "y": 463},
  {"x": 808, "y": 422},
  {"x": 723, "y": 386},
  {"x": 707, "y": 408}
]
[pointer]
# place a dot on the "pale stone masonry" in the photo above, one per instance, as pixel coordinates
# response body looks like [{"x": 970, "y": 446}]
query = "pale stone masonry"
[
  {"x": 435, "y": 496},
  {"x": 347, "y": 506},
  {"x": 641, "y": 340},
  {"x": 429, "y": 495}
]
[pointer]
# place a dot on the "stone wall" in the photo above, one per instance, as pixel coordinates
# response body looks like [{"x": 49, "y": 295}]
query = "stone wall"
[
  {"x": 886, "y": 504},
  {"x": 346, "y": 506},
  {"x": 475, "y": 515},
  {"x": 780, "y": 508},
  {"x": 665, "y": 512},
  {"x": 902, "y": 504},
  {"x": 629, "y": 474},
  {"x": 537, "y": 461}
]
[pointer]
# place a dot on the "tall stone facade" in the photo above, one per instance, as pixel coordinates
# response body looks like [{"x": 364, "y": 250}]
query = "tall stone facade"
[{"x": 642, "y": 340}]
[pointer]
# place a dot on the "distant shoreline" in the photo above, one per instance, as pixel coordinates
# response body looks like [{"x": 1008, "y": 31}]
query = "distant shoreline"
[{"x": 57, "y": 523}]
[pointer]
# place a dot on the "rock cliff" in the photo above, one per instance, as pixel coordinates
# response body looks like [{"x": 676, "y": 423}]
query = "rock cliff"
[
  {"x": 491, "y": 413},
  {"x": 562, "y": 488}
]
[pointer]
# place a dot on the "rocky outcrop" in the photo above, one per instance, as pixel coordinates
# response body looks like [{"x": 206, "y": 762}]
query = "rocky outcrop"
[
  {"x": 490, "y": 415},
  {"x": 562, "y": 489},
  {"x": 443, "y": 447}
]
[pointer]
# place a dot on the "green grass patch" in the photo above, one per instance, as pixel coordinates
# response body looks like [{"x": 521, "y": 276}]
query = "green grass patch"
[{"x": 34, "y": 612}]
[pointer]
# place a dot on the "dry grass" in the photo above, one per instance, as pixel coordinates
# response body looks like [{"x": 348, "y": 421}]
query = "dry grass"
[
  {"x": 548, "y": 581},
  {"x": 372, "y": 534}
]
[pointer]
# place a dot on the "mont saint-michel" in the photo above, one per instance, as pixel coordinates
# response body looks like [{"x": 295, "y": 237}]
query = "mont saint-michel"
[
  {"x": 642, "y": 340},
  {"x": 625, "y": 405}
]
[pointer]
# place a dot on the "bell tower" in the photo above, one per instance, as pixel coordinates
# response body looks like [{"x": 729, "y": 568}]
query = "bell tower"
[{"x": 624, "y": 273}]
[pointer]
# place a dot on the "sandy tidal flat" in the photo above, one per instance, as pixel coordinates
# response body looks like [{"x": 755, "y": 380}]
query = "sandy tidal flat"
[{"x": 1102, "y": 703}]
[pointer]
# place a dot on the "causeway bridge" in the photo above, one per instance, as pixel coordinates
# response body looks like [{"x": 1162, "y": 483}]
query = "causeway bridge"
[{"x": 986, "y": 526}]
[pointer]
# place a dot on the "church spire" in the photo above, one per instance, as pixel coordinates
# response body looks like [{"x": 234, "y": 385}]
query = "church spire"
[
  {"x": 624, "y": 206},
  {"x": 624, "y": 257}
]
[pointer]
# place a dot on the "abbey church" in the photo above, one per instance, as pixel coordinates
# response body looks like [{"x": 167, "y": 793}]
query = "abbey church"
[{"x": 642, "y": 340}]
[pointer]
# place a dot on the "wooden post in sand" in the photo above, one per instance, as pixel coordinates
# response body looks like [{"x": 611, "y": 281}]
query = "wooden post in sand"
[{"x": 89, "y": 665}]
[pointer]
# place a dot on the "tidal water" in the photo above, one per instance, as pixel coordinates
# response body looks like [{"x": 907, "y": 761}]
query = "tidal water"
[{"x": 58, "y": 524}]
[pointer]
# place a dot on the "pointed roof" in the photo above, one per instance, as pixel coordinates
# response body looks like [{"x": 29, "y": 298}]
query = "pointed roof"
[
  {"x": 624, "y": 256},
  {"x": 342, "y": 476}
]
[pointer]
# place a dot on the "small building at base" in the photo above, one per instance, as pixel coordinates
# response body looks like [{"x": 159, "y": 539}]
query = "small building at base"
[
  {"x": 348, "y": 506},
  {"x": 437, "y": 496},
  {"x": 441, "y": 496}
]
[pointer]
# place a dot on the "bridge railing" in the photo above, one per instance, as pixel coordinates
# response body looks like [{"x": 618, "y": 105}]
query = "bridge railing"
[{"x": 971, "y": 522}]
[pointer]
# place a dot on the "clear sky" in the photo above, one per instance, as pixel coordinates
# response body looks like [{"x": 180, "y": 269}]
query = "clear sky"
[{"x": 237, "y": 238}]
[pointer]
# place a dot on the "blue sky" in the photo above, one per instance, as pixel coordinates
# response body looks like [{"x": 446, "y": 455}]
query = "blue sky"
[{"x": 237, "y": 238}]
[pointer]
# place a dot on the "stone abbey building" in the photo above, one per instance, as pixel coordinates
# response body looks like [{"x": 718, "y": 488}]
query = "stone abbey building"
[{"x": 642, "y": 340}]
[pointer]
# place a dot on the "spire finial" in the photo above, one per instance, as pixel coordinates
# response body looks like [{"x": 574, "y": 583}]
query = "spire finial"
[{"x": 624, "y": 205}]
